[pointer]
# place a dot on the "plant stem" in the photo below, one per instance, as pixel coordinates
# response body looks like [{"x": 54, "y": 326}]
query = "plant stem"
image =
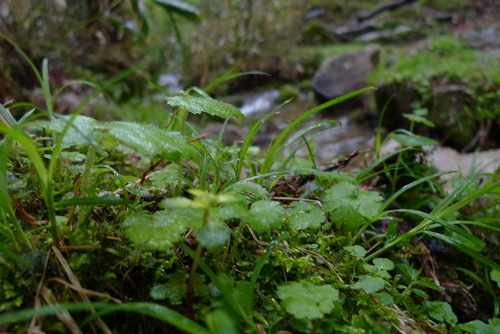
[
  {"x": 190, "y": 287},
  {"x": 86, "y": 180}
]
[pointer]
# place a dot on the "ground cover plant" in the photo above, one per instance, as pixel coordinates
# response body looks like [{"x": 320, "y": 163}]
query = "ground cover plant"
[{"x": 125, "y": 227}]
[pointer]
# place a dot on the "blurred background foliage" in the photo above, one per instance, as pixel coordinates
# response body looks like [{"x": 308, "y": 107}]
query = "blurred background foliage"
[{"x": 197, "y": 39}]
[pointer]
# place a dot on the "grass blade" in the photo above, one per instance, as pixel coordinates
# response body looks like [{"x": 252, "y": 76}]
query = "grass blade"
[
  {"x": 226, "y": 292},
  {"x": 464, "y": 249},
  {"x": 271, "y": 153},
  {"x": 154, "y": 310}
]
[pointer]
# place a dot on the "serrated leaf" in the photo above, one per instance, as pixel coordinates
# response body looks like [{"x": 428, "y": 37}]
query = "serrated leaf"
[
  {"x": 150, "y": 141},
  {"x": 142, "y": 138},
  {"x": 369, "y": 284},
  {"x": 174, "y": 290},
  {"x": 441, "y": 311},
  {"x": 70, "y": 156},
  {"x": 138, "y": 189},
  {"x": 307, "y": 301},
  {"x": 231, "y": 210},
  {"x": 356, "y": 251},
  {"x": 305, "y": 215},
  {"x": 348, "y": 206},
  {"x": 164, "y": 178},
  {"x": 410, "y": 273},
  {"x": 180, "y": 7},
  {"x": 245, "y": 188},
  {"x": 162, "y": 229},
  {"x": 197, "y": 105},
  {"x": 212, "y": 237},
  {"x": 265, "y": 215},
  {"x": 85, "y": 124}
]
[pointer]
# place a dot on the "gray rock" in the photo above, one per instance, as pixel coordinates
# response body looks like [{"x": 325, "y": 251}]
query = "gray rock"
[
  {"x": 386, "y": 35},
  {"x": 344, "y": 74},
  {"x": 449, "y": 115},
  {"x": 486, "y": 38}
]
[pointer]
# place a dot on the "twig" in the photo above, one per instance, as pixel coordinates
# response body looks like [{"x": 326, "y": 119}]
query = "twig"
[
  {"x": 73, "y": 279},
  {"x": 81, "y": 290},
  {"x": 38, "y": 303}
]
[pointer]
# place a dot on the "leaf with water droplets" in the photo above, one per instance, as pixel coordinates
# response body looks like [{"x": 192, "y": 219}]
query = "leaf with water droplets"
[{"x": 197, "y": 105}]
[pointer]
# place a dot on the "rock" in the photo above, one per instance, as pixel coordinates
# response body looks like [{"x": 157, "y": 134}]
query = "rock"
[
  {"x": 344, "y": 74},
  {"x": 453, "y": 122},
  {"x": 314, "y": 13},
  {"x": 369, "y": 13},
  {"x": 403, "y": 95},
  {"x": 387, "y": 35},
  {"x": 350, "y": 29},
  {"x": 486, "y": 38},
  {"x": 69, "y": 101},
  {"x": 448, "y": 159}
]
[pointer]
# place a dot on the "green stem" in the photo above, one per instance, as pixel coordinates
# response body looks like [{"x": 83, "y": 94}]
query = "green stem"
[
  {"x": 192, "y": 274},
  {"x": 86, "y": 180},
  {"x": 194, "y": 267}
]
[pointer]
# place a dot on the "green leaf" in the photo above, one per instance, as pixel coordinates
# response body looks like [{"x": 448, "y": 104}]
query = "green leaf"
[
  {"x": 219, "y": 322},
  {"x": 479, "y": 327},
  {"x": 385, "y": 298},
  {"x": 440, "y": 311},
  {"x": 356, "y": 251},
  {"x": 410, "y": 273},
  {"x": 383, "y": 264},
  {"x": 150, "y": 141},
  {"x": 82, "y": 128},
  {"x": 307, "y": 301},
  {"x": 164, "y": 178},
  {"x": 197, "y": 105},
  {"x": 245, "y": 188},
  {"x": 212, "y": 237},
  {"x": 348, "y": 206},
  {"x": 174, "y": 290},
  {"x": 495, "y": 276},
  {"x": 369, "y": 284},
  {"x": 11, "y": 121},
  {"x": 465, "y": 249},
  {"x": 428, "y": 283},
  {"x": 144, "y": 139},
  {"x": 138, "y": 189},
  {"x": 265, "y": 215},
  {"x": 162, "y": 229},
  {"x": 182, "y": 8},
  {"x": 407, "y": 138},
  {"x": 419, "y": 119},
  {"x": 93, "y": 201},
  {"x": 231, "y": 210},
  {"x": 305, "y": 215}
]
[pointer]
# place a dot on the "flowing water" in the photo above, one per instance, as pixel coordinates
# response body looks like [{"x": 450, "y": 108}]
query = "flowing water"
[{"x": 341, "y": 139}]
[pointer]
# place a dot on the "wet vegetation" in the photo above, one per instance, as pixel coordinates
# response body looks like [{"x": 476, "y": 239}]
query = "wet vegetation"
[{"x": 127, "y": 218}]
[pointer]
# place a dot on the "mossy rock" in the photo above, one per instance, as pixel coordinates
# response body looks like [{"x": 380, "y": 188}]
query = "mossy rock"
[{"x": 287, "y": 92}]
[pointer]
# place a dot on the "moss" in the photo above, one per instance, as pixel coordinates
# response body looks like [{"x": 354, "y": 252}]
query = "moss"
[{"x": 287, "y": 92}]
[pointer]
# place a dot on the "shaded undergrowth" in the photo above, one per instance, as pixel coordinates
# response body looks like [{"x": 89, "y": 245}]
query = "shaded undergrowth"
[{"x": 100, "y": 218}]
